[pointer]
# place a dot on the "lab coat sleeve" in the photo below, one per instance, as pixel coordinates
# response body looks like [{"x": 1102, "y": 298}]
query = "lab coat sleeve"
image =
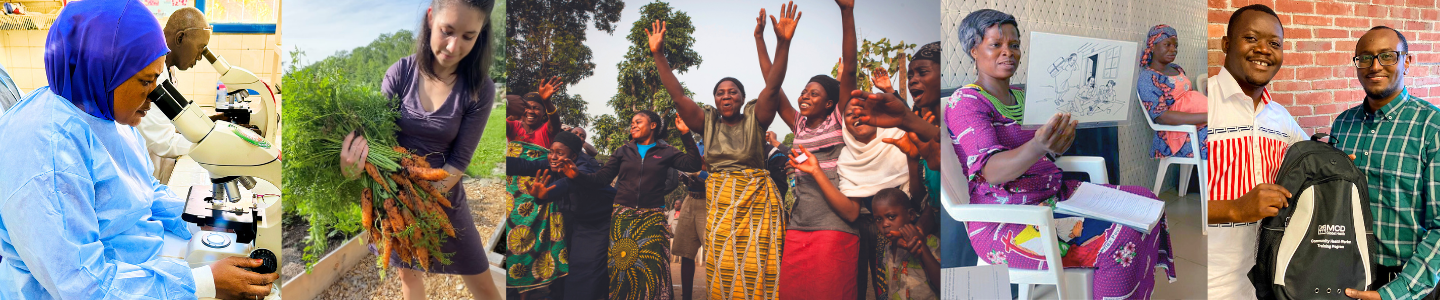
[
  {"x": 204, "y": 282},
  {"x": 161, "y": 138},
  {"x": 58, "y": 226},
  {"x": 167, "y": 208}
]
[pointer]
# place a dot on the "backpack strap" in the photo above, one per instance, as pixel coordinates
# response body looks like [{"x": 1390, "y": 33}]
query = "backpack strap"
[{"x": 1321, "y": 135}]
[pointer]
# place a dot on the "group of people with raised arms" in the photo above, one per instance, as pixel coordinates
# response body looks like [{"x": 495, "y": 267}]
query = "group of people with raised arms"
[{"x": 862, "y": 171}]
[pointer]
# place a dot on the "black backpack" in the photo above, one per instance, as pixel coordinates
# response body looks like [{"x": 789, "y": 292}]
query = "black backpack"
[{"x": 1323, "y": 242}]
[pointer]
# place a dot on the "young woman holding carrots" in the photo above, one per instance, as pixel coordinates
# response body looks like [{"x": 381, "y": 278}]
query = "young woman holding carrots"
[
  {"x": 445, "y": 96},
  {"x": 744, "y": 201}
]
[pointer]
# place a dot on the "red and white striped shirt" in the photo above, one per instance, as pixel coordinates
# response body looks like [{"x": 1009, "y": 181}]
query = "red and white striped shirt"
[{"x": 1247, "y": 143}]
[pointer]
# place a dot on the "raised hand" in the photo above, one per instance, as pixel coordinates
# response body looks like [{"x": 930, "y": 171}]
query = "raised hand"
[
  {"x": 540, "y": 187},
  {"x": 881, "y": 78},
  {"x": 845, "y": 4},
  {"x": 549, "y": 86},
  {"x": 565, "y": 167},
  {"x": 760, "y": 25},
  {"x": 680, "y": 125},
  {"x": 770, "y": 138},
  {"x": 879, "y": 110},
  {"x": 785, "y": 26},
  {"x": 1056, "y": 135},
  {"x": 657, "y": 35},
  {"x": 910, "y": 144},
  {"x": 809, "y": 166}
]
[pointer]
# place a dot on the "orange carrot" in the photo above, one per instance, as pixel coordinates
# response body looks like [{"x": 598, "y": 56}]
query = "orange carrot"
[
  {"x": 367, "y": 210},
  {"x": 404, "y": 185},
  {"x": 404, "y": 250},
  {"x": 435, "y": 193},
  {"x": 375, "y": 174},
  {"x": 445, "y": 223},
  {"x": 422, "y": 256},
  {"x": 396, "y": 221},
  {"x": 385, "y": 246},
  {"x": 405, "y": 198},
  {"x": 431, "y": 174}
]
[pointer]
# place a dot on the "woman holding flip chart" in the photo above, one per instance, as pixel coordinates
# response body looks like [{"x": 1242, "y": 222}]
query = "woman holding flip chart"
[{"x": 1005, "y": 164}]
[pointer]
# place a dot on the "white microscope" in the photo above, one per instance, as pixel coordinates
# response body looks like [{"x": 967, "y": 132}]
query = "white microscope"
[{"x": 237, "y": 222}]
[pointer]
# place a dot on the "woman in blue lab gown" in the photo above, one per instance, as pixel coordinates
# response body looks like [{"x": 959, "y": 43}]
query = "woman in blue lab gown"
[{"x": 80, "y": 215}]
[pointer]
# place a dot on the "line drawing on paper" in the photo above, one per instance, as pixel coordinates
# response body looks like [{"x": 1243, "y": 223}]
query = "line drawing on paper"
[
  {"x": 1084, "y": 81},
  {"x": 1092, "y": 79}
]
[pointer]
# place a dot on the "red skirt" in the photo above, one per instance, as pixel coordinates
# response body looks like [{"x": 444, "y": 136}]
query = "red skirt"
[{"x": 819, "y": 265}]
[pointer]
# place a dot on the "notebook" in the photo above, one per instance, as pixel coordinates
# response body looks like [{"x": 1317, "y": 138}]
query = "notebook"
[{"x": 1099, "y": 202}]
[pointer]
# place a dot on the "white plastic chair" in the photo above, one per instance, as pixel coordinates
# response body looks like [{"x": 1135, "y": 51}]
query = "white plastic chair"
[
  {"x": 1069, "y": 283},
  {"x": 1186, "y": 163}
]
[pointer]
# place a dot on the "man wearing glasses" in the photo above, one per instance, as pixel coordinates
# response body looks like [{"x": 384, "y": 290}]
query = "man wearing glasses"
[{"x": 1394, "y": 138}]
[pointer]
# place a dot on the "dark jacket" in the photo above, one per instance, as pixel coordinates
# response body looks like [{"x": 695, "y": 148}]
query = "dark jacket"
[
  {"x": 641, "y": 181},
  {"x": 777, "y": 163},
  {"x": 579, "y": 203}
]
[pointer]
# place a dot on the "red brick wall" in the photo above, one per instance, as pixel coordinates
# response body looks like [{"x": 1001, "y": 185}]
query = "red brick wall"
[{"x": 1318, "y": 80}]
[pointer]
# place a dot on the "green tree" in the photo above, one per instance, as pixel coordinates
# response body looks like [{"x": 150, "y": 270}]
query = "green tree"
[
  {"x": 639, "y": 84},
  {"x": 546, "y": 38},
  {"x": 497, "y": 23},
  {"x": 875, "y": 55}
]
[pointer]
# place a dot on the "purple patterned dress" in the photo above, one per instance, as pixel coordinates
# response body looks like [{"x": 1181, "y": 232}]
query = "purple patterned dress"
[{"x": 1123, "y": 258}]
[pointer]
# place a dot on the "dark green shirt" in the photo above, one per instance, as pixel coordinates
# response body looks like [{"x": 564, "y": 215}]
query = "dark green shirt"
[
  {"x": 730, "y": 148},
  {"x": 1396, "y": 147}
]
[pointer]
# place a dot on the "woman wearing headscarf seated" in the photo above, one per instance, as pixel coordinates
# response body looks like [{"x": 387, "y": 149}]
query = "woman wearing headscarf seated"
[
  {"x": 1168, "y": 95},
  {"x": 80, "y": 215}
]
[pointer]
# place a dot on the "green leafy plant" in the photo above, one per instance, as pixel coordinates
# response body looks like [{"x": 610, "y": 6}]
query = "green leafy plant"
[
  {"x": 327, "y": 100},
  {"x": 876, "y": 54}
]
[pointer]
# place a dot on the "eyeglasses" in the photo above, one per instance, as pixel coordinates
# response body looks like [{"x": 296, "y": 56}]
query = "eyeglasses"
[
  {"x": 1388, "y": 58},
  {"x": 208, "y": 30}
]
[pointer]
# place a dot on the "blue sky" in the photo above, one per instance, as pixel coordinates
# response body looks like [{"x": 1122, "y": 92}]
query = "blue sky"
[
  {"x": 724, "y": 38},
  {"x": 322, "y": 27}
]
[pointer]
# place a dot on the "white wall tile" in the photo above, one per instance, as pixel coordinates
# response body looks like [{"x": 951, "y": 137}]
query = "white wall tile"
[
  {"x": 252, "y": 41},
  {"x": 15, "y": 38},
  {"x": 22, "y": 58},
  {"x": 224, "y": 42},
  {"x": 37, "y": 37}
]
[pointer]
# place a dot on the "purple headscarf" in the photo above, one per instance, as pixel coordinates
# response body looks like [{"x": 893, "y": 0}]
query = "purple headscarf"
[{"x": 95, "y": 45}]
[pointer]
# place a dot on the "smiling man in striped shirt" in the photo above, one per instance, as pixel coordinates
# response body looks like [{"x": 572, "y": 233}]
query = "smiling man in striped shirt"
[
  {"x": 1393, "y": 136},
  {"x": 1248, "y": 136}
]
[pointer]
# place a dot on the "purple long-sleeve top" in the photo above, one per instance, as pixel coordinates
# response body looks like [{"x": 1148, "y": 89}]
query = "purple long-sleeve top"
[{"x": 438, "y": 135}]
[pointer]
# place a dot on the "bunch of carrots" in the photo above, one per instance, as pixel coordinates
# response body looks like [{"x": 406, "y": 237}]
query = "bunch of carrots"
[{"x": 400, "y": 207}]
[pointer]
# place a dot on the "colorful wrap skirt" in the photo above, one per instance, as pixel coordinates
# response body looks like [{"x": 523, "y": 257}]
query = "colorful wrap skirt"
[
  {"x": 535, "y": 233},
  {"x": 639, "y": 254},
  {"x": 745, "y": 232}
]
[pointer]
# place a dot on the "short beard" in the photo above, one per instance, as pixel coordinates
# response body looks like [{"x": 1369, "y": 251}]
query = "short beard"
[{"x": 1387, "y": 92}]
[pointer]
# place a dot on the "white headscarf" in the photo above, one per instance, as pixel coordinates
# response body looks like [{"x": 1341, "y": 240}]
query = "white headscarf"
[{"x": 867, "y": 168}]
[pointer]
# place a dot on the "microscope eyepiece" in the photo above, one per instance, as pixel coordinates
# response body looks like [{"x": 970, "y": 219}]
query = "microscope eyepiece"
[{"x": 168, "y": 99}]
